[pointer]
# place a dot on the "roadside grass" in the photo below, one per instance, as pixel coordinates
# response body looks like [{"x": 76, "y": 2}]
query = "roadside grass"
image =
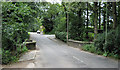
[{"x": 91, "y": 48}]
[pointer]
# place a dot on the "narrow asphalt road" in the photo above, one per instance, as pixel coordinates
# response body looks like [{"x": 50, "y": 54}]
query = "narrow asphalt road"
[{"x": 53, "y": 53}]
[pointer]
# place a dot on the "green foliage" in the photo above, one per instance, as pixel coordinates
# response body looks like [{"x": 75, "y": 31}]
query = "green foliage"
[
  {"x": 28, "y": 33},
  {"x": 12, "y": 56},
  {"x": 111, "y": 48},
  {"x": 90, "y": 48},
  {"x": 61, "y": 27},
  {"x": 48, "y": 24},
  {"x": 76, "y": 22},
  {"x": 90, "y": 36},
  {"x": 100, "y": 41},
  {"x": 21, "y": 49},
  {"x": 18, "y": 19},
  {"x": 13, "y": 35},
  {"x": 93, "y": 49},
  {"x": 7, "y": 58},
  {"x": 112, "y": 44},
  {"x": 61, "y": 35},
  {"x": 52, "y": 32},
  {"x": 53, "y": 18}
]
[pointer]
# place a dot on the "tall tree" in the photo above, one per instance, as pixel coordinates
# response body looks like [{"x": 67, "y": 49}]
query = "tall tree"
[
  {"x": 104, "y": 15},
  {"x": 65, "y": 9},
  {"x": 95, "y": 20},
  {"x": 108, "y": 14},
  {"x": 114, "y": 14},
  {"x": 87, "y": 19},
  {"x": 118, "y": 16},
  {"x": 99, "y": 15}
]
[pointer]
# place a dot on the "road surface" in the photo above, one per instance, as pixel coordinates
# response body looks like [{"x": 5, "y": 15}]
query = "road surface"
[{"x": 53, "y": 53}]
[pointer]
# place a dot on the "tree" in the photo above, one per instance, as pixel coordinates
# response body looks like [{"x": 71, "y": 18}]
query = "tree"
[
  {"x": 114, "y": 14},
  {"x": 48, "y": 24},
  {"x": 65, "y": 10},
  {"x": 76, "y": 22},
  {"x": 95, "y": 19},
  {"x": 118, "y": 16},
  {"x": 17, "y": 19},
  {"x": 99, "y": 15},
  {"x": 87, "y": 20}
]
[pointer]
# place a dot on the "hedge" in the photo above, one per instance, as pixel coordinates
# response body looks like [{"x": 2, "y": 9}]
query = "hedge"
[
  {"x": 113, "y": 42},
  {"x": 61, "y": 35}
]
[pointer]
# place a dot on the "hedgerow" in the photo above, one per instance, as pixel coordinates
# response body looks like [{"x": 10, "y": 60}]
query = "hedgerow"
[{"x": 18, "y": 19}]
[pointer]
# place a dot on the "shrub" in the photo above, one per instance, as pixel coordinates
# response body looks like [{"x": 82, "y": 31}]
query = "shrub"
[
  {"x": 52, "y": 32},
  {"x": 15, "y": 27},
  {"x": 21, "y": 49},
  {"x": 90, "y": 48},
  {"x": 61, "y": 35},
  {"x": 90, "y": 36},
  {"x": 111, "y": 47},
  {"x": 7, "y": 58},
  {"x": 76, "y": 26},
  {"x": 48, "y": 24},
  {"x": 99, "y": 43},
  {"x": 12, "y": 56}
]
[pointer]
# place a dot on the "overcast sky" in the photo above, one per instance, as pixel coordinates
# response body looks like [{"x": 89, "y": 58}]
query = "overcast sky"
[{"x": 55, "y": 1}]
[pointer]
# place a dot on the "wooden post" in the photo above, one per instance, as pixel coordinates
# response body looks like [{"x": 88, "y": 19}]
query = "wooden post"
[
  {"x": 67, "y": 23},
  {"x": 67, "y": 28}
]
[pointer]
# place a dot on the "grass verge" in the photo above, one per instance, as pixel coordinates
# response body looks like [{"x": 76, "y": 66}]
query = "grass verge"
[{"x": 91, "y": 48}]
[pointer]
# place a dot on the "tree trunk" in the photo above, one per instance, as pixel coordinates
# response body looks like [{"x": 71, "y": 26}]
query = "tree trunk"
[
  {"x": 79, "y": 16},
  {"x": 118, "y": 22},
  {"x": 104, "y": 18},
  {"x": 104, "y": 21},
  {"x": 87, "y": 20},
  {"x": 114, "y": 14},
  {"x": 99, "y": 15},
  {"x": 108, "y": 19},
  {"x": 79, "y": 12},
  {"x": 95, "y": 20},
  {"x": 108, "y": 6}
]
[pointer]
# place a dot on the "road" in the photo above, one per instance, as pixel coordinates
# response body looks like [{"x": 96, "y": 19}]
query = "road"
[{"x": 53, "y": 53}]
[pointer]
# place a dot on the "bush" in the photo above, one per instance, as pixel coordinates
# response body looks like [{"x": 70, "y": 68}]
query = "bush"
[
  {"x": 12, "y": 56},
  {"x": 99, "y": 43},
  {"x": 52, "y": 32},
  {"x": 90, "y": 36},
  {"x": 15, "y": 27},
  {"x": 48, "y": 24},
  {"x": 111, "y": 47},
  {"x": 7, "y": 58},
  {"x": 61, "y": 35},
  {"x": 90, "y": 48}
]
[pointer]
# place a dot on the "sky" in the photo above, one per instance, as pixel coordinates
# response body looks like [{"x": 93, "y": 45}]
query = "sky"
[{"x": 54, "y": 1}]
